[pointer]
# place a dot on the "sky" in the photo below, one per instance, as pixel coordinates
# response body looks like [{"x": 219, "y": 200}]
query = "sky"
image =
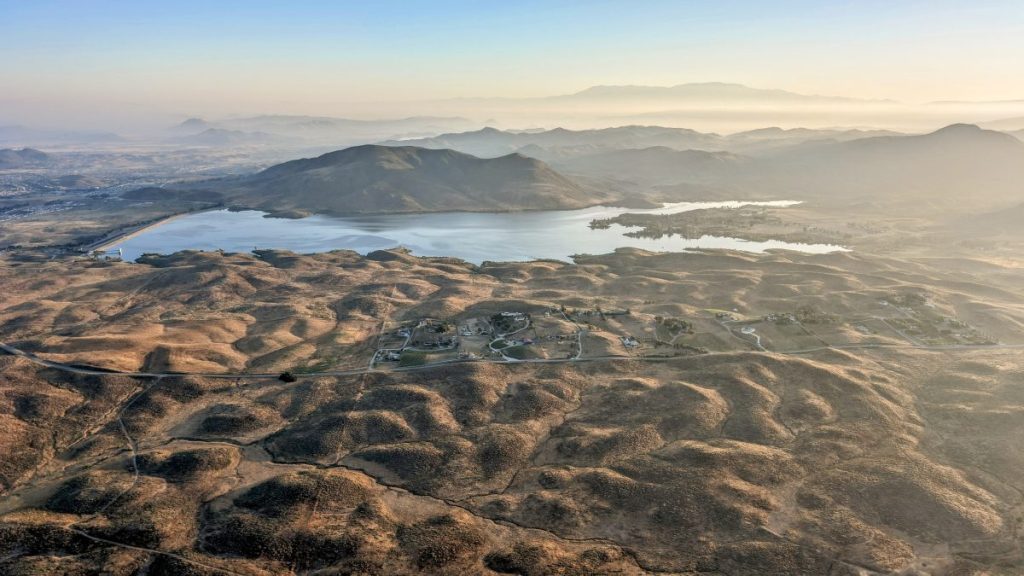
[{"x": 100, "y": 61}]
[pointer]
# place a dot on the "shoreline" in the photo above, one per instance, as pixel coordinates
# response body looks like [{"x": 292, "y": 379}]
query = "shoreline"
[
  {"x": 123, "y": 234},
  {"x": 625, "y": 207}
]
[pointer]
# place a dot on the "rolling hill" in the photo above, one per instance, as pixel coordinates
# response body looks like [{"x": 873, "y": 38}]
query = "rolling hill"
[{"x": 379, "y": 179}]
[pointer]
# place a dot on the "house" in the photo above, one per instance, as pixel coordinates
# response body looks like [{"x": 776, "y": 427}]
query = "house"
[{"x": 114, "y": 255}]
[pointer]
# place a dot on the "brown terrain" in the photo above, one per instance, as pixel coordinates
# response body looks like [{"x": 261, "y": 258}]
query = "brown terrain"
[{"x": 865, "y": 420}]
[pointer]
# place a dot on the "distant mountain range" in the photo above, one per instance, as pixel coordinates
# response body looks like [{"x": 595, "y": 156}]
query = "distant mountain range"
[
  {"x": 559, "y": 143},
  {"x": 682, "y": 94},
  {"x": 940, "y": 170},
  {"x": 702, "y": 92},
  {"x": 11, "y": 158},
  {"x": 490, "y": 142},
  {"x": 380, "y": 179},
  {"x": 937, "y": 169}
]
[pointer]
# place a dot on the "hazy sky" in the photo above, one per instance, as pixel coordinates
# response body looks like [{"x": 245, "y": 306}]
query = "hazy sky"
[{"x": 91, "y": 60}]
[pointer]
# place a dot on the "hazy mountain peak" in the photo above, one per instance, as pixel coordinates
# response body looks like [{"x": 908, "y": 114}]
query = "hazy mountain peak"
[
  {"x": 194, "y": 123},
  {"x": 974, "y": 133},
  {"x": 701, "y": 92},
  {"x": 961, "y": 128}
]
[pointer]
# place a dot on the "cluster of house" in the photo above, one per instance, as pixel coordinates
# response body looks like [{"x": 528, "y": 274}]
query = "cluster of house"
[
  {"x": 784, "y": 318},
  {"x": 600, "y": 313},
  {"x": 439, "y": 343}
]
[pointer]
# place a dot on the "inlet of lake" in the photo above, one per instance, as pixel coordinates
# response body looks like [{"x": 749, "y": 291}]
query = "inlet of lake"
[{"x": 471, "y": 236}]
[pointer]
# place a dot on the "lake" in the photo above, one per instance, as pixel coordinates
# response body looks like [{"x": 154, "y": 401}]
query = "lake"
[{"x": 471, "y": 236}]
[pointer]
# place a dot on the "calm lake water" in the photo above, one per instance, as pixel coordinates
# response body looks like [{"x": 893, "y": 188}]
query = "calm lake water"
[{"x": 474, "y": 237}]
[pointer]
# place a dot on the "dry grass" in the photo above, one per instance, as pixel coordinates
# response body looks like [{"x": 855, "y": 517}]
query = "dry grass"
[{"x": 735, "y": 462}]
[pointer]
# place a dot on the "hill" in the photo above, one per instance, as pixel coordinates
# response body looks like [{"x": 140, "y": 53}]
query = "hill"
[
  {"x": 765, "y": 140},
  {"x": 657, "y": 165},
  {"x": 11, "y": 158},
  {"x": 380, "y": 179},
  {"x": 1004, "y": 221},
  {"x": 934, "y": 171},
  {"x": 77, "y": 182},
  {"x": 939, "y": 169}
]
